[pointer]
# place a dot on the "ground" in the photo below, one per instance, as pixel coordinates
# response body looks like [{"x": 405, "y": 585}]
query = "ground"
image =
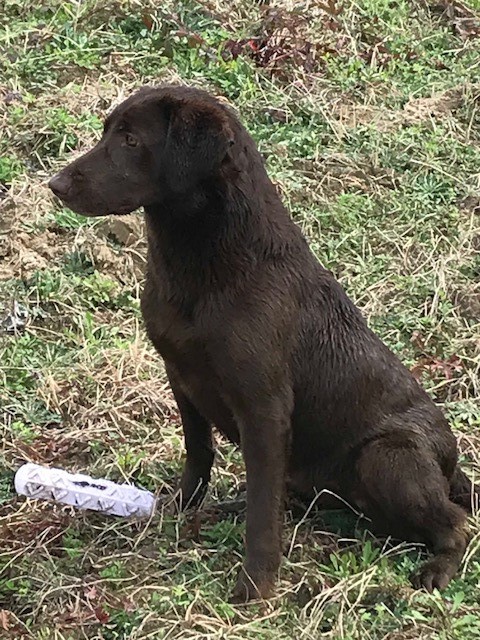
[{"x": 368, "y": 115}]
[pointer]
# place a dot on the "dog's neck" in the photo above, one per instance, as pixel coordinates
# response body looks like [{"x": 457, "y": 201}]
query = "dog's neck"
[{"x": 203, "y": 243}]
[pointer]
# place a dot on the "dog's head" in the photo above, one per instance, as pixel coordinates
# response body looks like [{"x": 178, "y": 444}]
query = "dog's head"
[{"x": 160, "y": 142}]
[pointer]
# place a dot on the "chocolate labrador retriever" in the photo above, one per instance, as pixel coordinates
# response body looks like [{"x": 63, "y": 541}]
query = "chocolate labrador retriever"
[{"x": 262, "y": 342}]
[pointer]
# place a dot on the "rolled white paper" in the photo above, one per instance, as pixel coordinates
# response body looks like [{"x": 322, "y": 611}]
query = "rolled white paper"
[{"x": 83, "y": 492}]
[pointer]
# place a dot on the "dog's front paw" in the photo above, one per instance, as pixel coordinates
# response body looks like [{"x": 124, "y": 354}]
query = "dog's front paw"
[{"x": 252, "y": 587}]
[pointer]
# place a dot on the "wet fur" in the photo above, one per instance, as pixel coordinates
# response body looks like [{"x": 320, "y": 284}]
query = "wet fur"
[{"x": 262, "y": 342}]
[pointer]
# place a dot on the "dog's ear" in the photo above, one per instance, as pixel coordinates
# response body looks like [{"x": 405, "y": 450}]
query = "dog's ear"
[{"x": 197, "y": 141}]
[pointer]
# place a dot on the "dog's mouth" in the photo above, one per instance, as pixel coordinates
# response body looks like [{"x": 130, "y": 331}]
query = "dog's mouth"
[{"x": 97, "y": 211}]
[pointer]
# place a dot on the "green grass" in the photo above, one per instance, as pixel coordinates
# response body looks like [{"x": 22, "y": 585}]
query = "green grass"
[{"x": 373, "y": 142}]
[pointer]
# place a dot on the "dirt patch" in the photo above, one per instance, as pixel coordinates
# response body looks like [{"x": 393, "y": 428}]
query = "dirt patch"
[
  {"x": 124, "y": 230},
  {"x": 437, "y": 106},
  {"x": 25, "y": 246},
  {"x": 23, "y": 253},
  {"x": 26, "y": 253},
  {"x": 351, "y": 116},
  {"x": 338, "y": 173},
  {"x": 117, "y": 248},
  {"x": 34, "y": 252},
  {"x": 415, "y": 111},
  {"x": 471, "y": 204},
  {"x": 468, "y": 302},
  {"x": 31, "y": 239}
]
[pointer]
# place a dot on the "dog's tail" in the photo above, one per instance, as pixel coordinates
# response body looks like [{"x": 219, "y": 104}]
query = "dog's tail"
[{"x": 463, "y": 491}]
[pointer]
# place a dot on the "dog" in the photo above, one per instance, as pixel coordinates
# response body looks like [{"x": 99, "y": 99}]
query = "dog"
[{"x": 260, "y": 341}]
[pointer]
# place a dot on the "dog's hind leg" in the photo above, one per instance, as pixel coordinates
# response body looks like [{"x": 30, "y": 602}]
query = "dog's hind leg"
[
  {"x": 463, "y": 491},
  {"x": 401, "y": 486}
]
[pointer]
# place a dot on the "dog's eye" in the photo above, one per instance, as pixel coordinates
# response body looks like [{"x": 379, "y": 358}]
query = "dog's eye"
[{"x": 131, "y": 140}]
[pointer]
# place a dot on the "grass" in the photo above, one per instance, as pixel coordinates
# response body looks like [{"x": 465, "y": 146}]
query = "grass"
[{"x": 368, "y": 116}]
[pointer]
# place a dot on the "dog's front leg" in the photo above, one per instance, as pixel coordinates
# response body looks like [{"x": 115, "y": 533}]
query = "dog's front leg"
[
  {"x": 197, "y": 432},
  {"x": 265, "y": 436}
]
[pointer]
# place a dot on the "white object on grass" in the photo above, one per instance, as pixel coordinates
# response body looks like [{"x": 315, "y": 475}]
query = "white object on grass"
[{"x": 84, "y": 492}]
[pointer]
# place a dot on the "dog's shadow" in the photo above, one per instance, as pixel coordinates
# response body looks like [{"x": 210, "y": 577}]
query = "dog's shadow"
[{"x": 332, "y": 516}]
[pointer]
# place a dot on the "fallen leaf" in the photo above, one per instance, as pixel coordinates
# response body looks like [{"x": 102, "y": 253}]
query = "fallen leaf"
[
  {"x": 147, "y": 21},
  {"x": 91, "y": 592},
  {"x": 101, "y": 615}
]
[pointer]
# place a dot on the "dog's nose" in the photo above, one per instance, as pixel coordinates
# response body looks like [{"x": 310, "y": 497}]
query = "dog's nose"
[{"x": 60, "y": 184}]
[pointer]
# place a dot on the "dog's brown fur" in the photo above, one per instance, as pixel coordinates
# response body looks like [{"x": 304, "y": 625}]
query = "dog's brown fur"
[{"x": 262, "y": 342}]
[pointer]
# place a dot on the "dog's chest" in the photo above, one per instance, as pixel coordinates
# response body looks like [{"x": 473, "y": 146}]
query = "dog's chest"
[
  {"x": 183, "y": 348},
  {"x": 173, "y": 335}
]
